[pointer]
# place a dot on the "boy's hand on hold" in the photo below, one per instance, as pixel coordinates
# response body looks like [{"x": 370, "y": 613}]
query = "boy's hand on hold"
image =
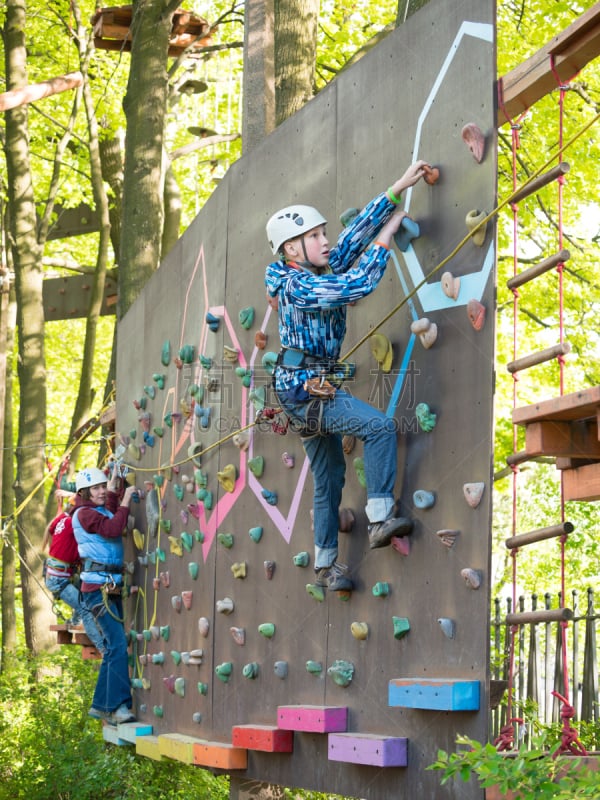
[{"x": 412, "y": 175}]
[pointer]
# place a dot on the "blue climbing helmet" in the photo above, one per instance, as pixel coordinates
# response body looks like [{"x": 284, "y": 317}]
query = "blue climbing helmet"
[{"x": 290, "y": 222}]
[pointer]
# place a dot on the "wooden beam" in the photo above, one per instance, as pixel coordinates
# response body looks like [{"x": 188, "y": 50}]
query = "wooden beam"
[
  {"x": 569, "y": 51},
  {"x": 564, "y": 439},
  {"x": 583, "y": 483},
  {"x": 578, "y": 405},
  {"x": 36, "y": 91}
]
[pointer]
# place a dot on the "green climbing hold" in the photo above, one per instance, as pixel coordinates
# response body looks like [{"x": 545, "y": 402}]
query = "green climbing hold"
[
  {"x": 381, "y": 589},
  {"x": 246, "y": 317},
  {"x": 178, "y": 491},
  {"x": 159, "y": 379},
  {"x": 342, "y": 672},
  {"x": 187, "y": 540},
  {"x": 267, "y": 629},
  {"x": 315, "y": 591},
  {"x": 314, "y": 667},
  {"x": 250, "y": 670},
  {"x": 225, "y": 539},
  {"x": 180, "y": 687},
  {"x": 401, "y": 627},
  {"x": 256, "y": 534},
  {"x": 223, "y": 671},
  {"x": 302, "y": 559},
  {"x": 186, "y": 353},
  {"x": 193, "y": 569},
  {"x": 198, "y": 535},
  {"x": 176, "y": 656},
  {"x": 165, "y": 356},
  {"x": 256, "y": 465},
  {"x": 359, "y": 468}
]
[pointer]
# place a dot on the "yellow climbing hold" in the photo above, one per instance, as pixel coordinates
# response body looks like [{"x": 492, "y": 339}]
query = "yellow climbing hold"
[
  {"x": 227, "y": 477},
  {"x": 382, "y": 350}
]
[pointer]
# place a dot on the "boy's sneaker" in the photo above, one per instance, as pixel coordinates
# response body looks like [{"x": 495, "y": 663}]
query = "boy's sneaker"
[
  {"x": 334, "y": 577},
  {"x": 121, "y": 714},
  {"x": 95, "y": 713},
  {"x": 382, "y": 533}
]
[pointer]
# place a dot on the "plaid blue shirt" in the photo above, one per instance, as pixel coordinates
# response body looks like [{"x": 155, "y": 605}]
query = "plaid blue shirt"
[{"x": 312, "y": 308}]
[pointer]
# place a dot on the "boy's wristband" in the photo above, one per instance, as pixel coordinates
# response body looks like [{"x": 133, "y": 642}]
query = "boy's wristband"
[
  {"x": 392, "y": 197},
  {"x": 381, "y": 244}
]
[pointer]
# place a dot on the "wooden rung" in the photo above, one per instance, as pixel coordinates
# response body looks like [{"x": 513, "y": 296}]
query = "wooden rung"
[
  {"x": 514, "y": 459},
  {"x": 583, "y": 483},
  {"x": 539, "y": 358},
  {"x": 576, "y": 439},
  {"x": 538, "y": 269},
  {"x": 578, "y": 405},
  {"x": 542, "y": 180},
  {"x": 539, "y": 535},
  {"x": 545, "y": 615},
  {"x": 313, "y": 719},
  {"x": 368, "y": 748},
  {"x": 434, "y": 694}
]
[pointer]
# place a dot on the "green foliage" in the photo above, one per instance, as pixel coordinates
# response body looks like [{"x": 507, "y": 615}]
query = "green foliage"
[
  {"x": 50, "y": 749},
  {"x": 531, "y": 773}
]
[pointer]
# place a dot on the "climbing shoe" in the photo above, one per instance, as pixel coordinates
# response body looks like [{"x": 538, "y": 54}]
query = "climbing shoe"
[
  {"x": 335, "y": 578},
  {"x": 121, "y": 714},
  {"x": 382, "y": 533},
  {"x": 95, "y": 713}
]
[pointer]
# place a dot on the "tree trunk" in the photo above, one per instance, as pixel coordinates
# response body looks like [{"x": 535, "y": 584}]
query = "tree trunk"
[
  {"x": 295, "y": 34},
  {"x": 144, "y": 104},
  {"x": 85, "y": 398},
  {"x": 27, "y": 260},
  {"x": 172, "y": 213},
  {"x": 7, "y": 498}
]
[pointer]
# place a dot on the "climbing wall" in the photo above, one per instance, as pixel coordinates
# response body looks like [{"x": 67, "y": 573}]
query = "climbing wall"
[{"x": 235, "y": 665}]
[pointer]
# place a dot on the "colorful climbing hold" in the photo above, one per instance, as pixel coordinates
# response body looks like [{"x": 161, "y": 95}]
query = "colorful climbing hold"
[
  {"x": 472, "y": 577},
  {"x": 256, "y": 533},
  {"x": 425, "y": 417},
  {"x": 473, "y": 493},
  {"x": 401, "y": 627},
  {"x": 360, "y": 630},
  {"x": 448, "y": 627},
  {"x": 223, "y": 671},
  {"x": 381, "y": 589},
  {"x": 424, "y": 499},
  {"x": 474, "y": 138},
  {"x": 476, "y": 226},
  {"x": 256, "y": 465},
  {"x": 227, "y": 477},
  {"x": 239, "y": 569},
  {"x": 238, "y": 635},
  {"x": 250, "y": 670},
  {"x": 302, "y": 559},
  {"x": 246, "y": 317},
  {"x": 267, "y": 629},
  {"x": 271, "y": 497},
  {"x": 382, "y": 351},
  {"x": 359, "y": 468},
  {"x": 226, "y": 540},
  {"x": 447, "y": 537},
  {"x": 342, "y": 672}
]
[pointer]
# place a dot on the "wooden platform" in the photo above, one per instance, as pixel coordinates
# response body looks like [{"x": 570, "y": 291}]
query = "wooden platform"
[
  {"x": 112, "y": 30},
  {"x": 65, "y": 634},
  {"x": 566, "y": 428}
]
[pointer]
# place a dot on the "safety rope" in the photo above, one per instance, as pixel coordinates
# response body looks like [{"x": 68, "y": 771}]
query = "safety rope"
[{"x": 569, "y": 739}]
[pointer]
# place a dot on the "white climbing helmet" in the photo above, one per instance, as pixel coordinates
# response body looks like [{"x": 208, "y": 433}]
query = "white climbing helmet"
[
  {"x": 89, "y": 477},
  {"x": 290, "y": 222}
]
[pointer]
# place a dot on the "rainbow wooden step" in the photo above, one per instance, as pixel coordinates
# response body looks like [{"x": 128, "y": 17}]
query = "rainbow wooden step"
[
  {"x": 435, "y": 694},
  {"x": 368, "y": 748},
  {"x": 266, "y": 738},
  {"x": 313, "y": 719}
]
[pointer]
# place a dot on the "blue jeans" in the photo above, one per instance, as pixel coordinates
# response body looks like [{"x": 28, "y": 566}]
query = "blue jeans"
[
  {"x": 339, "y": 416},
  {"x": 113, "y": 687},
  {"x": 63, "y": 589}
]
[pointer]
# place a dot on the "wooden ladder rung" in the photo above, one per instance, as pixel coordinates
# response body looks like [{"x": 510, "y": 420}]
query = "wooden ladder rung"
[
  {"x": 546, "y": 615},
  {"x": 539, "y": 358},
  {"x": 542, "y": 180},
  {"x": 539, "y": 535},
  {"x": 538, "y": 269}
]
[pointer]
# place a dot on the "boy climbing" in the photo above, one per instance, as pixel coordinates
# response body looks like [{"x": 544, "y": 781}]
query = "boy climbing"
[{"x": 312, "y": 286}]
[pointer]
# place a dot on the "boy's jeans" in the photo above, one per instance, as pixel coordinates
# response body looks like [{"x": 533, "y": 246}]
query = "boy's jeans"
[{"x": 342, "y": 415}]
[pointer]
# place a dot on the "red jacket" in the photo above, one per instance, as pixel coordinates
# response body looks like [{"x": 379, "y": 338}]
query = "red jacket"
[{"x": 62, "y": 542}]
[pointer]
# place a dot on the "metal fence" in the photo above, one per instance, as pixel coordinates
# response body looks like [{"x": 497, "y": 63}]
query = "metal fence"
[{"x": 538, "y": 662}]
